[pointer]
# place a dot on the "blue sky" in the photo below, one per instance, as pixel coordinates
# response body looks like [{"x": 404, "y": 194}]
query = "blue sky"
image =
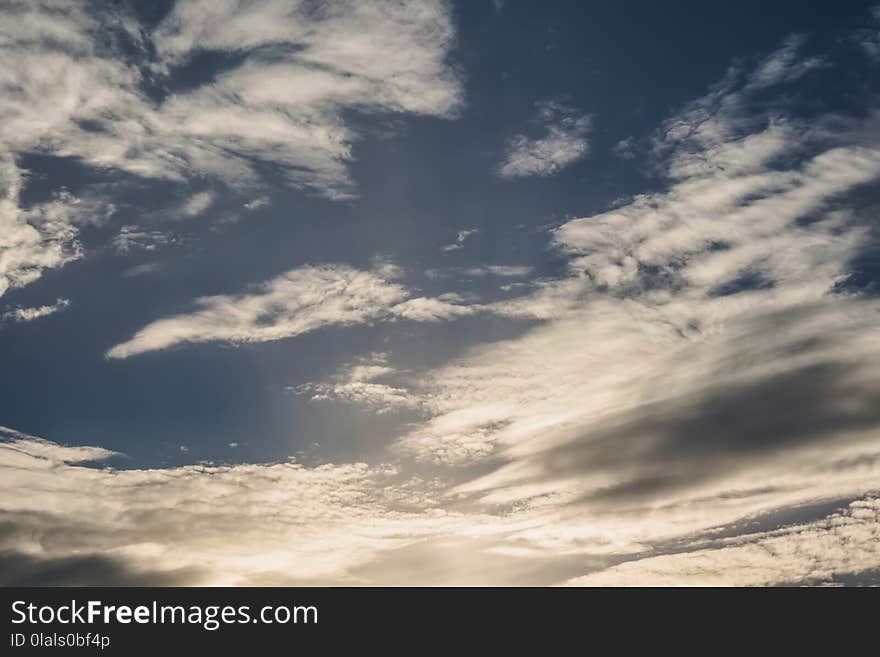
[{"x": 534, "y": 293}]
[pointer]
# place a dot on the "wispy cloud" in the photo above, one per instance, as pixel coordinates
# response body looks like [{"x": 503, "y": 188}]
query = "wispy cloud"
[
  {"x": 699, "y": 371},
  {"x": 702, "y": 346},
  {"x": 505, "y": 271},
  {"x": 564, "y": 143},
  {"x": 296, "y": 302},
  {"x": 135, "y": 238},
  {"x": 361, "y": 383},
  {"x": 836, "y": 547},
  {"x": 294, "y": 524},
  {"x": 30, "y": 314},
  {"x": 460, "y": 239},
  {"x": 480, "y": 271},
  {"x": 33, "y": 240},
  {"x": 695, "y": 400},
  {"x": 786, "y": 64},
  {"x": 93, "y": 85}
]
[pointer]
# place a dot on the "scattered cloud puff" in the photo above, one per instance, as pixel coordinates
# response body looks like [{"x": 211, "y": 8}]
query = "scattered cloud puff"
[
  {"x": 143, "y": 269},
  {"x": 257, "y": 203},
  {"x": 565, "y": 142},
  {"x": 93, "y": 84},
  {"x": 625, "y": 148},
  {"x": 197, "y": 204},
  {"x": 360, "y": 383},
  {"x": 30, "y": 314},
  {"x": 459, "y": 239},
  {"x": 480, "y": 271},
  {"x": 505, "y": 271},
  {"x": 296, "y": 302},
  {"x": 136, "y": 238}
]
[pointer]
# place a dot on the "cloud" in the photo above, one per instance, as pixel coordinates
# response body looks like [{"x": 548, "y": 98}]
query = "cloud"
[
  {"x": 703, "y": 362},
  {"x": 297, "y": 70},
  {"x": 784, "y": 65},
  {"x": 62, "y": 521},
  {"x": 303, "y": 67},
  {"x": 198, "y": 203},
  {"x": 505, "y": 271},
  {"x": 360, "y": 383},
  {"x": 694, "y": 400},
  {"x": 19, "y": 447},
  {"x": 625, "y": 148},
  {"x": 100, "y": 87},
  {"x": 296, "y": 302},
  {"x": 257, "y": 203},
  {"x": 33, "y": 240},
  {"x": 30, "y": 314},
  {"x": 819, "y": 552},
  {"x": 143, "y": 269},
  {"x": 131, "y": 238},
  {"x": 565, "y": 143},
  {"x": 459, "y": 239},
  {"x": 480, "y": 271}
]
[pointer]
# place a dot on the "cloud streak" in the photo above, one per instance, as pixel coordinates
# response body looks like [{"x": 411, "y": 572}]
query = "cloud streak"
[
  {"x": 30, "y": 314},
  {"x": 296, "y": 302}
]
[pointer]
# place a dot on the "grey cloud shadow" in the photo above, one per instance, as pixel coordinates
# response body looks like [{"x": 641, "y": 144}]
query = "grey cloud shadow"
[
  {"x": 20, "y": 569},
  {"x": 94, "y": 568},
  {"x": 679, "y": 443}
]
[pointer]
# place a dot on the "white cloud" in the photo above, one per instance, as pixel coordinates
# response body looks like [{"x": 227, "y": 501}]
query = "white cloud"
[
  {"x": 357, "y": 383},
  {"x": 286, "y": 108},
  {"x": 198, "y": 203},
  {"x": 131, "y": 238},
  {"x": 698, "y": 366},
  {"x": 843, "y": 543},
  {"x": 785, "y": 64},
  {"x": 565, "y": 143},
  {"x": 869, "y": 39},
  {"x": 142, "y": 269},
  {"x": 30, "y": 314},
  {"x": 74, "y": 80},
  {"x": 18, "y": 447},
  {"x": 625, "y": 148},
  {"x": 505, "y": 271},
  {"x": 460, "y": 238},
  {"x": 698, "y": 377},
  {"x": 480, "y": 271},
  {"x": 296, "y": 302},
  {"x": 293, "y": 524},
  {"x": 257, "y": 203},
  {"x": 33, "y": 240}
]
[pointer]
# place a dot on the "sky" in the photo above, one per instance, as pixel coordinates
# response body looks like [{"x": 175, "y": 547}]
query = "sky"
[{"x": 439, "y": 293}]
